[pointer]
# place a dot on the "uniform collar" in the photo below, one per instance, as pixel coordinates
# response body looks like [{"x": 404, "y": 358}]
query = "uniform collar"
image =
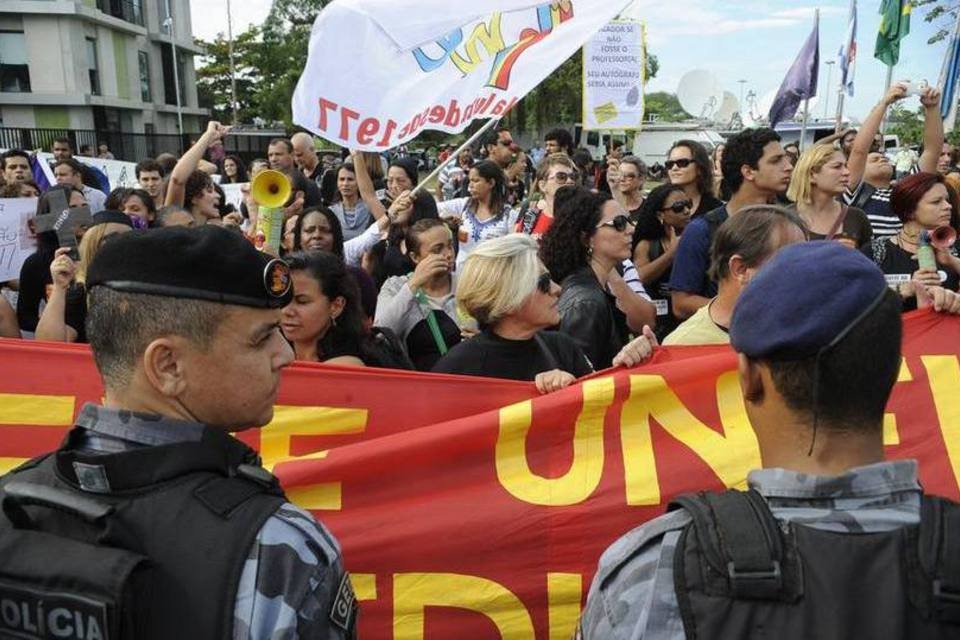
[
  {"x": 882, "y": 478},
  {"x": 138, "y": 428}
]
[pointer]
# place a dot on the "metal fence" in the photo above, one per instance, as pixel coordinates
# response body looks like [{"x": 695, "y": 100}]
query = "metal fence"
[{"x": 132, "y": 147}]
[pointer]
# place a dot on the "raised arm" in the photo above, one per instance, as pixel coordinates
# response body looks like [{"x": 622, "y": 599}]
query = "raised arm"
[
  {"x": 190, "y": 161},
  {"x": 857, "y": 161},
  {"x": 932, "y": 130},
  {"x": 365, "y": 185}
]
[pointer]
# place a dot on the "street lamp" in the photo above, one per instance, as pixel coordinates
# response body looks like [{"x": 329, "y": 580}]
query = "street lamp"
[
  {"x": 233, "y": 72},
  {"x": 168, "y": 25}
]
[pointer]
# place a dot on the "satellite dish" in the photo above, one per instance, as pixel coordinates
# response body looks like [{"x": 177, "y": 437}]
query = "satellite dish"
[
  {"x": 728, "y": 108},
  {"x": 700, "y": 94}
]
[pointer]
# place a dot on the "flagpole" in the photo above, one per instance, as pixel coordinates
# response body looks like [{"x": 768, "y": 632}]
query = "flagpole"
[
  {"x": 803, "y": 129},
  {"x": 453, "y": 156},
  {"x": 886, "y": 90}
]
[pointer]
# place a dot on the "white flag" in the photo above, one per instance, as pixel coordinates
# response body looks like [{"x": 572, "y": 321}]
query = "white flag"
[{"x": 379, "y": 72}]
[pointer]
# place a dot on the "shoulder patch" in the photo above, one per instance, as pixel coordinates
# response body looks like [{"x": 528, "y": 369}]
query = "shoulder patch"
[
  {"x": 343, "y": 612},
  {"x": 633, "y": 542}
]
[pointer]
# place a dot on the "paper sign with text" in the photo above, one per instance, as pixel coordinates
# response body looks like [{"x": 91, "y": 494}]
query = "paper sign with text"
[{"x": 613, "y": 77}]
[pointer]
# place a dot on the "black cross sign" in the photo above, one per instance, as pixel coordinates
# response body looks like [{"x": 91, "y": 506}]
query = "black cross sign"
[{"x": 63, "y": 219}]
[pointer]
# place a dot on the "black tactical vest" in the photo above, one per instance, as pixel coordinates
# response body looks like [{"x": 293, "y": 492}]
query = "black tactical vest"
[
  {"x": 740, "y": 573},
  {"x": 155, "y": 552}
]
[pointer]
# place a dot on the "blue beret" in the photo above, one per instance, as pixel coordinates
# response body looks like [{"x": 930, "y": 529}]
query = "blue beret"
[
  {"x": 802, "y": 299},
  {"x": 206, "y": 263}
]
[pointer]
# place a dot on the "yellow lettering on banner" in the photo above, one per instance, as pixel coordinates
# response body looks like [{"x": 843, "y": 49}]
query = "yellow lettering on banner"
[
  {"x": 730, "y": 455},
  {"x": 308, "y": 421},
  {"x": 943, "y": 372},
  {"x": 43, "y": 411},
  {"x": 414, "y": 592},
  {"x": 564, "y": 593},
  {"x": 575, "y": 486},
  {"x": 891, "y": 434},
  {"x": 490, "y": 36},
  {"x": 8, "y": 464},
  {"x": 364, "y": 586}
]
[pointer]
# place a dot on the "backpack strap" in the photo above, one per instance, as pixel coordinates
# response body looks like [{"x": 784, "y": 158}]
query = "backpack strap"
[
  {"x": 939, "y": 546},
  {"x": 740, "y": 539}
]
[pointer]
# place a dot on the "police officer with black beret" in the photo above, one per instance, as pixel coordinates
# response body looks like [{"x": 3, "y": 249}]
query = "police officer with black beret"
[
  {"x": 151, "y": 520},
  {"x": 831, "y": 541}
]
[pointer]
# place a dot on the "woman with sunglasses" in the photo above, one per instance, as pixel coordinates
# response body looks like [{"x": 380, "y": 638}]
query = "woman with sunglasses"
[
  {"x": 513, "y": 298},
  {"x": 688, "y": 166},
  {"x": 536, "y": 216},
  {"x": 663, "y": 218},
  {"x": 591, "y": 236},
  {"x": 626, "y": 178}
]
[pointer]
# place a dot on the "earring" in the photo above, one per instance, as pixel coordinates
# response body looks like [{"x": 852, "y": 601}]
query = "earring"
[
  {"x": 333, "y": 321},
  {"x": 589, "y": 252}
]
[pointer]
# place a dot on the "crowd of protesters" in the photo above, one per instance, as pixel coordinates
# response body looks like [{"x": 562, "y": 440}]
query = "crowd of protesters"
[{"x": 542, "y": 266}]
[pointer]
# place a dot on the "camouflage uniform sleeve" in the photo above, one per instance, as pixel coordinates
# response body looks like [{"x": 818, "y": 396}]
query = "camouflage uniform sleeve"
[
  {"x": 632, "y": 595},
  {"x": 293, "y": 584}
]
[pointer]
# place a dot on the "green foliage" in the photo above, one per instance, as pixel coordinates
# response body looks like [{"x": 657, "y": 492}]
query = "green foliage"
[
  {"x": 213, "y": 78},
  {"x": 906, "y": 124},
  {"x": 665, "y": 107},
  {"x": 943, "y": 12}
]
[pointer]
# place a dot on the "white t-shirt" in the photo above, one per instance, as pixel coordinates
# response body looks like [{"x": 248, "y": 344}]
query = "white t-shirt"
[{"x": 473, "y": 231}]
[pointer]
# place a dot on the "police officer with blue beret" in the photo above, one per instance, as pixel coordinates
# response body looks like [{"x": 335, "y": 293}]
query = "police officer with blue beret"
[
  {"x": 151, "y": 520},
  {"x": 830, "y": 541}
]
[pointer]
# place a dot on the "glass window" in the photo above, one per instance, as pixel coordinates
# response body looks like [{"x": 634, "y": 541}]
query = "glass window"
[
  {"x": 145, "y": 94},
  {"x": 14, "y": 71},
  {"x": 93, "y": 66},
  {"x": 169, "y": 88}
]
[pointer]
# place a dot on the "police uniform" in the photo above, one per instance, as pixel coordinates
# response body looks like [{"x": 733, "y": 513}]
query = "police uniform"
[
  {"x": 656, "y": 582},
  {"x": 172, "y": 529}
]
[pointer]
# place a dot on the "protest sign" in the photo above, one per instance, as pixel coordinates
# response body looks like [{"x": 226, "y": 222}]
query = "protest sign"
[
  {"x": 614, "y": 63},
  {"x": 429, "y": 64},
  {"x": 474, "y": 508},
  {"x": 233, "y": 194},
  {"x": 16, "y": 240}
]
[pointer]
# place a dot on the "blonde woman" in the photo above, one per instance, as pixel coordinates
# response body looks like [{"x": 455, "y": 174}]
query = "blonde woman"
[
  {"x": 64, "y": 317},
  {"x": 510, "y": 293},
  {"x": 819, "y": 179}
]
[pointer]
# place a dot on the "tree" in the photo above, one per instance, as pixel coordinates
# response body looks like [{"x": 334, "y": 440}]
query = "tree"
[
  {"x": 906, "y": 124},
  {"x": 941, "y": 11},
  {"x": 665, "y": 107},
  {"x": 213, "y": 77}
]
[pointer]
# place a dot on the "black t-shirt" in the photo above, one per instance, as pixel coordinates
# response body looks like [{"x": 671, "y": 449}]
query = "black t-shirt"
[
  {"x": 707, "y": 204},
  {"x": 75, "y": 312},
  {"x": 899, "y": 265},
  {"x": 34, "y": 279},
  {"x": 490, "y": 356}
]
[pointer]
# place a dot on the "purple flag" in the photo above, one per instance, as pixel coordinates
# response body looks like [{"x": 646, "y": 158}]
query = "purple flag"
[{"x": 801, "y": 81}]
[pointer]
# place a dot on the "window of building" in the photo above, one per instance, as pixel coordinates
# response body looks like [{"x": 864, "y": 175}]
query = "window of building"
[
  {"x": 93, "y": 66},
  {"x": 145, "y": 94},
  {"x": 128, "y": 10},
  {"x": 165, "y": 13},
  {"x": 14, "y": 72},
  {"x": 169, "y": 88}
]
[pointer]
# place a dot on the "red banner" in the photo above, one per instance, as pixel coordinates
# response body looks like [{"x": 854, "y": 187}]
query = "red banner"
[{"x": 475, "y": 508}]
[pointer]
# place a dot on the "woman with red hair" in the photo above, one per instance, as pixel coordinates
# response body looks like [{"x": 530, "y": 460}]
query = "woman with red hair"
[{"x": 923, "y": 202}]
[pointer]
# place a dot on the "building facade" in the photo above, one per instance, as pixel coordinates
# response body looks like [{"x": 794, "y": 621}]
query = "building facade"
[{"x": 104, "y": 65}]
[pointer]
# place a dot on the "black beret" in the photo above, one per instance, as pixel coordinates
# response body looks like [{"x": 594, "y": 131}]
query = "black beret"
[
  {"x": 206, "y": 263},
  {"x": 803, "y": 299},
  {"x": 112, "y": 217}
]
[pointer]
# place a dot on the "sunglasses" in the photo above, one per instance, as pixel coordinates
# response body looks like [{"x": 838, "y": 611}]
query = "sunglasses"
[
  {"x": 563, "y": 176},
  {"x": 679, "y": 206},
  {"x": 544, "y": 283},
  {"x": 682, "y": 163},
  {"x": 505, "y": 143},
  {"x": 620, "y": 223}
]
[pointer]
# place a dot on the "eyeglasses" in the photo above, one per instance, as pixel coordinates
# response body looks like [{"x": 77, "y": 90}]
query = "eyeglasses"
[
  {"x": 505, "y": 143},
  {"x": 682, "y": 163},
  {"x": 620, "y": 223},
  {"x": 563, "y": 176},
  {"x": 544, "y": 283},
  {"x": 679, "y": 206}
]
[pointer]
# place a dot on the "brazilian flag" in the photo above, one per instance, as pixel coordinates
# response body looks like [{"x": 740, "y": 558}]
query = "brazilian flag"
[{"x": 894, "y": 27}]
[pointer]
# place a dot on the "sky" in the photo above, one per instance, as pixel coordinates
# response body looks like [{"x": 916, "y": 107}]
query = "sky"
[{"x": 752, "y": 40}]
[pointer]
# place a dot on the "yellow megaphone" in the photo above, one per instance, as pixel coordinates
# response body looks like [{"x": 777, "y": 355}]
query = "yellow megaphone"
[{"x": 271, "y": 189}]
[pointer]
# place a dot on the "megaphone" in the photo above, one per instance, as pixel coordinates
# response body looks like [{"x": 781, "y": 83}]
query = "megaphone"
[
  {"x": 943, "y": 238},
  {"x": 271, "y": 189}
]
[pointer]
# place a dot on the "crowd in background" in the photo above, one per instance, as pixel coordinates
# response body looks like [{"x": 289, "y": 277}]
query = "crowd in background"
[{"x": 542, "y": 266}]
